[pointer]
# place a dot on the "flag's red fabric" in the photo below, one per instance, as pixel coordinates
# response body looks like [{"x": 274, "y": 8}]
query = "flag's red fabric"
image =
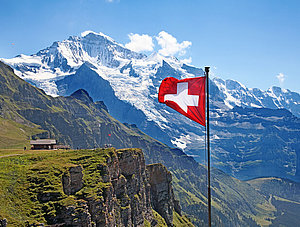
[{"x": 186, "y": 96}]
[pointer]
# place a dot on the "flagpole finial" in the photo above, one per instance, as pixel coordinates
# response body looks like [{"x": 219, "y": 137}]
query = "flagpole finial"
[{"x": 207, "y": 69}]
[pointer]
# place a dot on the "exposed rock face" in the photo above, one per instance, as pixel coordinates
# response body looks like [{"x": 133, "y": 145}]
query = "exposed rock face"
[
  {"x": 127, "y": 195},
  {"x": 72, "y": 180},
  {"x": 132, "y": 167},
  {"x": 162, "y": 196},
  {"x": 49, "y": 196},
  {"x": 126, "y": 201},
  {"x": 77, "y": 216}
]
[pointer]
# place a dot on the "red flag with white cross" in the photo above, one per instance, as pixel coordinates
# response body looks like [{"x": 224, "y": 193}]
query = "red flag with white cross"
[{"x": 186, "y": 96}]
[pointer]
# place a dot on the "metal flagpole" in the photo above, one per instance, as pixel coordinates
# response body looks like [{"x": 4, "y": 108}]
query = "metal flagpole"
[{"x": 208, "y": 147}]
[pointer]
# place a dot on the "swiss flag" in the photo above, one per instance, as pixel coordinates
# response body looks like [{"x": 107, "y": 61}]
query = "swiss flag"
[{"x": 186, "y": 96}]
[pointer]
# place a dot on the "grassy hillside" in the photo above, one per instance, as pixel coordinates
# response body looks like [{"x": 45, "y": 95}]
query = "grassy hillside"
[
  {"x": 23, "y": 176},
  {"x": 283, "y": 188},
  {"x": 284, "y": 195},
  {"x": 15, "y": 135}
]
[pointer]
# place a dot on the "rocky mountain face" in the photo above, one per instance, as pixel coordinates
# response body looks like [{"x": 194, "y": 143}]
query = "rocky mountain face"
[
  {"x": 126, "y": 200},
  {"x": 236, "y": 94},
  {"x": 256, "y": 142},
  {"x": 128, "y": 82},
  {"x": 162, "y": 196}
]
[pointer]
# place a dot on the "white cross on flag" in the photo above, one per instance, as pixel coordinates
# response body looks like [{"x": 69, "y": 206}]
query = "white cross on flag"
[{"x": 186, "y": 96}]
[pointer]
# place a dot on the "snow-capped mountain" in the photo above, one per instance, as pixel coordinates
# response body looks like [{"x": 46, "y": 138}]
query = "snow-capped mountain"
[
  {"x": 63, "y": 58},
  {"x": 236, "y": 94},
  {"x": 128, "y": 84}
]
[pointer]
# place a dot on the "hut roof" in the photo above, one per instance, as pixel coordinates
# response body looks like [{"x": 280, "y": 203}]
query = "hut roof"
[{"x": 43, "y": 142}]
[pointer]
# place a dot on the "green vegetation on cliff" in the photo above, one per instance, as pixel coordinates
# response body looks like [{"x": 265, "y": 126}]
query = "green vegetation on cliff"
[
  {"x": 43, "y": 186},
  {"x": 181, "y": 221},
  {"x": 28, "y": 176},
  {"x": 15, "y": 135}
]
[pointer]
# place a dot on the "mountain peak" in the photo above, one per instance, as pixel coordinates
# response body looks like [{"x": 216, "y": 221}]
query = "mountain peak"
[
  {"x": 276, "y": 89},
  {"x": 92, "y": 33},
  {"x": 82, "y": 95}
]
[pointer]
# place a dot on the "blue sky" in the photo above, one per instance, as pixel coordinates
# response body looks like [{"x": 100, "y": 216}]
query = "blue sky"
[{"x": 250, "y": 41}]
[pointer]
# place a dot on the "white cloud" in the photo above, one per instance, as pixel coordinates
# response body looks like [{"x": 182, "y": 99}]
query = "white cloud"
[
  {"x": 281, "y": 77},
  {"x": 140, "y": 42},
  {"x": 170, "y": 46},
  {"x": 187, "y": 60}
]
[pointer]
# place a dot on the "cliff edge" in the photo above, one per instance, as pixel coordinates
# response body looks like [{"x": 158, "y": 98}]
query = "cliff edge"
[{"x": 101, "y": 187}]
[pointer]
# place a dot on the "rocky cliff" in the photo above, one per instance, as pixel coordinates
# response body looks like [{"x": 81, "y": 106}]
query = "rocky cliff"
[
  {"x": 95, "y": 188},
  {"x": 123, "y": 201},
  {"x": 162, "y": 196}
]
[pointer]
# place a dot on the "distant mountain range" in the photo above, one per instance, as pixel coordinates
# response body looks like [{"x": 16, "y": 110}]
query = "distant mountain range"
[{"x": 251, "y": 135}]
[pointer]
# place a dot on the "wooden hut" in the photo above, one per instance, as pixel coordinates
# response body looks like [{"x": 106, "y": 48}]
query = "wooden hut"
[{"x": 42, "y": 144}]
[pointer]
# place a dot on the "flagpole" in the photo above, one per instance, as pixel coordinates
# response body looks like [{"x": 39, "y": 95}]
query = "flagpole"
[{"x": 208, "y": 147}]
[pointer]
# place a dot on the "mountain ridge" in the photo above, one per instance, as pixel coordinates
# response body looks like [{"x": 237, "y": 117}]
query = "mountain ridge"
[{"x": 98, "y": 43}]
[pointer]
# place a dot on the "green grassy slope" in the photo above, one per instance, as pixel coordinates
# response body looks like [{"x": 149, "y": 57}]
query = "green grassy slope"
[
  {"x": 280, "y": 187},
  {"x": 284, "y": 195},
  {"x": 287, "y": 212},
  {"x": 24, "y": 176},
  {"x": 15, "y": 135}
]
